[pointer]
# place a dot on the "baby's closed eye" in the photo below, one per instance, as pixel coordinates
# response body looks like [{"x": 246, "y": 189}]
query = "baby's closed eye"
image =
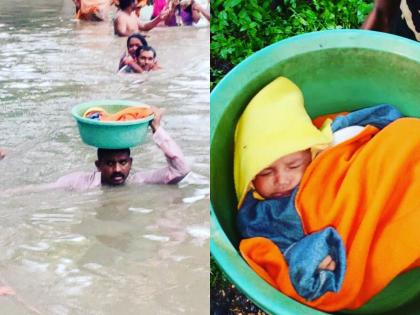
[{"x": 294, "y": 166}]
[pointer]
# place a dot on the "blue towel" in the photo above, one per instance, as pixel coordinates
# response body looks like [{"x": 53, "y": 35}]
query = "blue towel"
[{"x": 378, "y": 116}]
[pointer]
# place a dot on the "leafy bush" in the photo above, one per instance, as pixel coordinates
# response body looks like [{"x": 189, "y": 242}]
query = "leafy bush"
[{"x": 239, "y": 28}]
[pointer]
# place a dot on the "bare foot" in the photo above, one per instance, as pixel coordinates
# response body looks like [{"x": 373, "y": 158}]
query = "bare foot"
[{"x": 2, "y": 154}]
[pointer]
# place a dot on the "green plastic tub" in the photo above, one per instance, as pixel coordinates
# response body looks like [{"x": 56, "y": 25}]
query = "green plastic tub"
[
  {"x": 339, "y": 70},
  {"x": 110, "y": 134}
]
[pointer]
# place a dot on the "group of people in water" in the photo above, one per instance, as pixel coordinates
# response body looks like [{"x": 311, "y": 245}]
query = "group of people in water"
[
  {"x": 113, "y": 166},
  {"x": 140, "y": 57}
]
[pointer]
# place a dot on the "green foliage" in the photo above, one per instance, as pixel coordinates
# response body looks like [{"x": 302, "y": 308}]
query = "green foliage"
[{"x": 239, "y": 28}]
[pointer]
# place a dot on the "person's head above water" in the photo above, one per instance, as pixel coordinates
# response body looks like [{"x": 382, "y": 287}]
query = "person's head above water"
[
  {"x": 134, "y": 41},
  {"x": 114, "y": 165},
  {"x": 146, "y": 57},
  {"x": 274, "y": 140},
  {"x": 126, "y": 4}
]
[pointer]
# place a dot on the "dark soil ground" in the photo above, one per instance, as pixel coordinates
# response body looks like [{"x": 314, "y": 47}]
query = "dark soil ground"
[{"x": 225, "y": 299}]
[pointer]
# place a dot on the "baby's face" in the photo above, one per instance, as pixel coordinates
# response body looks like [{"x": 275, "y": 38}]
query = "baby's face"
[{"x": 281, "y": 177}]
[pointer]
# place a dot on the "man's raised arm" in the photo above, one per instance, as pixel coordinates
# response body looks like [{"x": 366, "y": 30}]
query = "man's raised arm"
[{"x": 177, "y": 167}]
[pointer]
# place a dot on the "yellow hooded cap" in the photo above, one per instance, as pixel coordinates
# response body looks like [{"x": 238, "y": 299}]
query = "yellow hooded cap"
[{"x": 274, "y": 124}]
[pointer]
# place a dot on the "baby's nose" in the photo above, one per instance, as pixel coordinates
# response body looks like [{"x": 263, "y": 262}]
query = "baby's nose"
[{"x": 283, "y": 180}]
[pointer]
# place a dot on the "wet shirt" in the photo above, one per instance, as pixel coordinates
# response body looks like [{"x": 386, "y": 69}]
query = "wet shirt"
[{"x": 175, "y": 170}]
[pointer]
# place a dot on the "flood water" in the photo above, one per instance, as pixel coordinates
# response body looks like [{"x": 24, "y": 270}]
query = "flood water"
[{"x": 125, "y": 250}]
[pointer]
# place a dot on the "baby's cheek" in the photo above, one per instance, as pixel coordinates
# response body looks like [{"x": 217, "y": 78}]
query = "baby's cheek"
[{"x": 298, "y": 177}]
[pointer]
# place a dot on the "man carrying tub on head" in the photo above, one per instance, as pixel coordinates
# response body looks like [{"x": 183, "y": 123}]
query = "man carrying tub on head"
[{"x": 114, "y": 165}]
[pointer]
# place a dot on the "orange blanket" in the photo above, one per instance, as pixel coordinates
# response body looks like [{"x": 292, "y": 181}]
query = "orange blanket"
[
  {"x": 129, "y": 113},
  {"x": 368, "y": 188}
]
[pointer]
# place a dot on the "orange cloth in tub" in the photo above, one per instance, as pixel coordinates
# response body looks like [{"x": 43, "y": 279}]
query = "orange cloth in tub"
[
  {"x": 367, "y": 188},
  {"x": 319, "y": 121},
  {"x": 129, "y": 113}
]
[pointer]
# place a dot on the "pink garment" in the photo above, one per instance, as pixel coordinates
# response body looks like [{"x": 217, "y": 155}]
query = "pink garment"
[
  {"x": 176, "y": 169},
  {"x": 158, "y": 6}
]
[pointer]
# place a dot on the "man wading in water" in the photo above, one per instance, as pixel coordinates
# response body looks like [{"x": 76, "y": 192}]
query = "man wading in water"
[
  {"x": 127, "y": 22},
  {"x": 114, "y": 165}
]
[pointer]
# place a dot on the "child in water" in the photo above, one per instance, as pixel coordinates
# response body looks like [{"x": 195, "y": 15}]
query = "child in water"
[{"x": 269, "y": 163}]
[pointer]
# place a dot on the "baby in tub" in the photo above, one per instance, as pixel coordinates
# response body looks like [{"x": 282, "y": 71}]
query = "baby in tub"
[{"x": 269, "y": 163}]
